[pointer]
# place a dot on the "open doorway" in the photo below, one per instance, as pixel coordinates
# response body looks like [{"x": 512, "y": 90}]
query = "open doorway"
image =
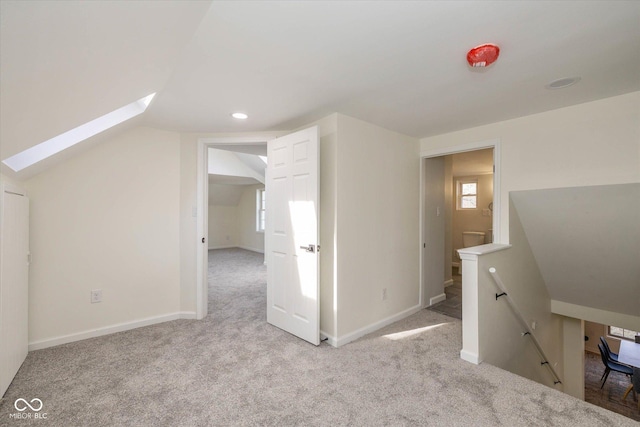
[
  {"x": 233, "y": 148},
  {"x": 236, "y": 223},
  {"x": 460, "y": 209}
]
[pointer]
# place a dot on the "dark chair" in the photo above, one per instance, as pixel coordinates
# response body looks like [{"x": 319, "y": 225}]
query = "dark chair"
[
  {"x": 610, "y": 365},
  {"x": 635, "y": 385},
  {"x": 613, "y": 356}
]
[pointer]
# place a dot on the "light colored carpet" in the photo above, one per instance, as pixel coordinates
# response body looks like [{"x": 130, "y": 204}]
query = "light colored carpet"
[{"x": 234, "y": 369}]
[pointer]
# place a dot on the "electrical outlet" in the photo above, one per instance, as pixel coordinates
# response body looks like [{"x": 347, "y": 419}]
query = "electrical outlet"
[
  {"x": 384, "y": 294},
  {"x": 96, "y": 295}
]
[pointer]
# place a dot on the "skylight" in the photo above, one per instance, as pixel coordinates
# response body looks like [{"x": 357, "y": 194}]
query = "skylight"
[{"x": 63, "y": 141}]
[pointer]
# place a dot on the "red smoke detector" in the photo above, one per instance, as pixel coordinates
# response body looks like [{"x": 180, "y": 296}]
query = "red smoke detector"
[{"x": 483, "y": 55}]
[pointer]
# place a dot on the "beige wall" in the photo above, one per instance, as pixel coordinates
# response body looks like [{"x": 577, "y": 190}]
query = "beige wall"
[
  {"x": 501, "y": 343},
  {"x": 248, "y": 237},
  {"x": 596, "y": 330},
  {"x": 595, "y": 143},
  {"x": 449, "y": 198},
  {"x": 473, "y": 219},
  {"x": 7, "y": 180},
  {"x": 235, "y": 225},
  {"x": 106, "y": 219},
  {"x": 223, "y": 227},
  {"x": 188, "y": 221},
  {"x": 377, "y": 226}
]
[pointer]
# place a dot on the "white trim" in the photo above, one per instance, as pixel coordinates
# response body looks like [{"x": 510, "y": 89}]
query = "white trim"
[
  {"x": 437, "y": 299},
  {"x": 448, "y": 282},
  {"x": 470, "y": 357},
  {"x": 453, "y": 149},
  {"x": 471, "y": 253},
  {"x": 107, "y": 330},
  {"x": 202, "y": 226},
  {"x": 222, "y": 247},
  {"x": 465, "y": 180},
  {"x": 236, "y": 140},
  {"x": 421, "y": 237},
  {"x": 375, "y": 326},
  {"x": 330, "y": 339},
  {"x": 187, "y": 315},
  {"x": 247, "y": 248}
]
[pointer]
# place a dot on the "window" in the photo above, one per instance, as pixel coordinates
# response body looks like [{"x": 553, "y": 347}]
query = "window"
[
  {"x": 76, "y": 135},
  {"x": 260, "y": 209},
  {"x": 467, "y": 194},
  {"x": 615, "y": 331}
]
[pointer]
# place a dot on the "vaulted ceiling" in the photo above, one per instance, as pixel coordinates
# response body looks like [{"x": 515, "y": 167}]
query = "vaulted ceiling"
[{"x": 400, "y": 65}]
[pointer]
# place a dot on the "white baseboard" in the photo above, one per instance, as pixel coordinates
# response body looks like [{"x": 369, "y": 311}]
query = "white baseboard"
[
  {"x": 120, "y": 327},
  {"x": 455, "y": 264},
  {"x": 375, "y": 326},
  {"x": 330, "y": 339},
  {"x": 448, "y": 283},
  {"x": 470, "y": 357},
  {"x": 246, "y": 248},
  {"x": 437, "y": 299}
]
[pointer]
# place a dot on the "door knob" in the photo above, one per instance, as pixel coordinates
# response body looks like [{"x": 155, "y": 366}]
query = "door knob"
[{"x": 310, "y": 248}]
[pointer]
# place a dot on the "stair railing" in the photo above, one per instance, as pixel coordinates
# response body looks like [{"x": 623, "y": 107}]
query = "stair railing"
[{"x": 524, "y": 324}]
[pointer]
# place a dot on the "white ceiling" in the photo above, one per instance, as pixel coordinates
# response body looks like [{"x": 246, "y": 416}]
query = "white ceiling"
[
  {"x": 586, "y": 241},
  {"x": 400, "y": 65}
]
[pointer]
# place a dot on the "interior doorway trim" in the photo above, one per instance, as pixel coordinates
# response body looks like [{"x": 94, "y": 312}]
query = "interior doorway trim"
[
  {"x": 497, "y": 211},
  {"x": 202, "y": 210}
]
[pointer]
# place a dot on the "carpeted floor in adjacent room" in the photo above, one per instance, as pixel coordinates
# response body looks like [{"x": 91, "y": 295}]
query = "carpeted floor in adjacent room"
[{"x": 232, "y": 368}]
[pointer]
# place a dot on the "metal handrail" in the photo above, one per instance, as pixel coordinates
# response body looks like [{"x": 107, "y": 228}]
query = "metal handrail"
[{"x": 524, "y": 323}]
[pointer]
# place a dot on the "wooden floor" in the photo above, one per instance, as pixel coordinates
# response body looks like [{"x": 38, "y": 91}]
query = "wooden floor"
[{"x": 610, "y": 396}]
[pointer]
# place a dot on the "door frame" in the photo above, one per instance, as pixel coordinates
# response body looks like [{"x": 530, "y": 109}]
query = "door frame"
[
  {"x": 497, "y": 204},
  {"x": 202, "y": 210}
]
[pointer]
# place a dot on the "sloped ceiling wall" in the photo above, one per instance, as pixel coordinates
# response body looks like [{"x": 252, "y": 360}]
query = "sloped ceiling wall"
[
  {"x": 586, "y": 241},
  {"x": 66, "y": 63},
  {"x": 230, "y": 173}
]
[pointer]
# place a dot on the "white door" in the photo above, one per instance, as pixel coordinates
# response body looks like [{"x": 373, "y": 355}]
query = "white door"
[
  {"x": 292, "y": 210},
  {"x": 14, "y": 291}
]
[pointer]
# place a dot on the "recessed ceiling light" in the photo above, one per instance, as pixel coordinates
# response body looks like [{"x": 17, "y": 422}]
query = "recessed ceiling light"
[
  {"x": 239, "y": 116},
  {"x": 562, "y": 83}
]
